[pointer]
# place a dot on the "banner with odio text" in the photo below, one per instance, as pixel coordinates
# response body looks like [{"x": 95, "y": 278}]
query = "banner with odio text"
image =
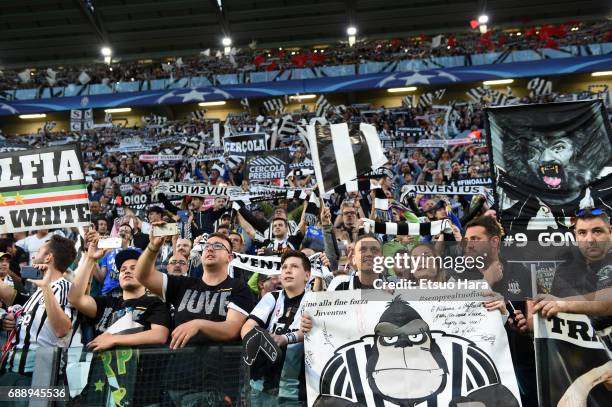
[
  {"x": 405, "y": 353},
  {"x": 42, "y": 189}
]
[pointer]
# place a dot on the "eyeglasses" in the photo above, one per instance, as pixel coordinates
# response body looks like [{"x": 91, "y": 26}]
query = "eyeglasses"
[
  {"x": 589, "y": 211},
  {"x": 349, "y": 213},
  {"x": 179, "y": 262},
  {"x": 215, "y": 247}
]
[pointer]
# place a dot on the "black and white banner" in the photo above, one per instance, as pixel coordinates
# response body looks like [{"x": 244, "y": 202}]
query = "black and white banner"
[
  {"x": 549, "y": 160},
  {"x": 442, "y": 190},
  {"x": 341, "y": 153},
  {"x": 483, "y": 181},
  {"x": 81, "y": 120},
  {"x": 245, "y": 143},
  {"x": 267, "y": 166},
  {"x": 571, "y": 363},
  {"x": 271, "y": 265},
  {"x": 399, "y": 353},
  {"x": 184, "y": 189},
  {"x": 43, "y": 189}
]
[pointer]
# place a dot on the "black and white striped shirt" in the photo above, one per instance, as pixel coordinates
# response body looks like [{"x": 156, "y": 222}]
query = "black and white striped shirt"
[{"x": 33, "y": 329}]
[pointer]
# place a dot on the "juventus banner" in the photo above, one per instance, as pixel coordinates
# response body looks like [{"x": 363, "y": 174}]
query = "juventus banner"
[
  {"x": 267, "y": 166},
  {"x": 398, "y": 353},
  {"x": 549, "y": 160},
  {"x": 572, "y": 365},
  {"x": 341, "y": 153}
]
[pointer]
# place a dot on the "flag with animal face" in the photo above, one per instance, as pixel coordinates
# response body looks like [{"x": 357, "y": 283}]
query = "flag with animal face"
[{"x": 549, "y": 160}]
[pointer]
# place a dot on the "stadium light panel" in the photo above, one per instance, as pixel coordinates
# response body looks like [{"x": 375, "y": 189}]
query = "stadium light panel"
[
  {"x": 483, "y": 19},
  {"x": 498, "y": 82},
  {"x": 208, "y": 104},
  {"x": 302, "y": 97},
  {"x": 32, "y": 116},
  {"x": 351, "y": 31},
  {"x": 404, "y": 89},
  {"x": 226, "y": 41},
  {"x": 602, "y": 73},
  {"x": 118, "y": 110},
  {"x": 106, "y": 51}
]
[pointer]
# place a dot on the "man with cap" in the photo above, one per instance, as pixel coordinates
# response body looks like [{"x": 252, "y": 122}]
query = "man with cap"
[
  {"x": 132, "y": 319},
  {"x": 144, "y": 312},
  {"x": 108, "y": 270}
]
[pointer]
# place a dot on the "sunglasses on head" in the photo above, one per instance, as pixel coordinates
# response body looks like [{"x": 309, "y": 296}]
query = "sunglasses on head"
[{"x": 589, "y": 211}]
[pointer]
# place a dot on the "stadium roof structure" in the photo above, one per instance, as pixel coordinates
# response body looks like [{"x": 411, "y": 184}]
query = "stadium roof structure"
[{"x": 37, "y": 32}]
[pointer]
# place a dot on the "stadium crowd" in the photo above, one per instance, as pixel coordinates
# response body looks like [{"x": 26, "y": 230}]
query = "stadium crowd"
[
  {"x": 247, "y": 60},
  {"x": 181, "y": 288}
]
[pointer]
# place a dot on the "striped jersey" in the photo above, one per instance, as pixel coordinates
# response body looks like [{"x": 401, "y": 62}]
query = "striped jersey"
[{"x": 33, "y": 329}]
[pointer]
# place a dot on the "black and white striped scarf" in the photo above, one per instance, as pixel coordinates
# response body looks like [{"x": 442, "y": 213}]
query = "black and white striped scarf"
[{"x": 403, "y": 228}]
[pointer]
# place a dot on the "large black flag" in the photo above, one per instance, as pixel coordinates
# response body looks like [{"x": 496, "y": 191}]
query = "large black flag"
[{"x": 549, "y": 160}]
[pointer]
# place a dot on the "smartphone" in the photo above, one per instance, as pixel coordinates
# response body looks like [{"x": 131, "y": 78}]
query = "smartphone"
[
  {"x": 110, "y": 243},
  {"x": 167, "y": 229},
  {"x": 183, "y": 215},
  {"x": 31, "y": 273}
]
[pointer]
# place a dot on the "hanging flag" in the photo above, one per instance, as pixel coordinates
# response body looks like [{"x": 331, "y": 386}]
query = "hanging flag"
[
  {"x": 274, "y": 106},
  {"x": 25, "y": 76},
  {"x": 331, "y": 146},
  {"x": 436, "y": 41},
  {"x": 198, "y": 115},
  {"x": 49, "y": 126},
  {"x": 407, "y": 101},
  {"x": 154, "y": 120},
  {"x": 425, "y": 100},
  {"x": 322, "y": 106},
  {"x": 439, "y": 94},
  {"x": 84, "y": 79},
  {"x": 81, "y": 120},
  {"x": 244, "y": 102},
  {"x": 51, "y": 77},
  {"x": 539, "y": 87},
  {"x": 287, "y": 128},
  {"x": 477, "y": 94}
]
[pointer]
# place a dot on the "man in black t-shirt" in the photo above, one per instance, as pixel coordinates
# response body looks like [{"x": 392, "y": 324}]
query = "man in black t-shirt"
[
  {"x": 133, "y": 312},
  {"x": 132, "y": 319},
  {"x": 210, "y": 309}
]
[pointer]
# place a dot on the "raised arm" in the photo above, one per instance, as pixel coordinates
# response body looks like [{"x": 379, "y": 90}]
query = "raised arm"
[
  {"x": 77, "y": 295},
  {"x": 146, "y": 273}
]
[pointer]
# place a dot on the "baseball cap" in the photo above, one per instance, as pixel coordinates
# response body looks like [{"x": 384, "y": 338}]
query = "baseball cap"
[
  {"x": 127, "y": 254},
  {"x": 3, "y": 254}
]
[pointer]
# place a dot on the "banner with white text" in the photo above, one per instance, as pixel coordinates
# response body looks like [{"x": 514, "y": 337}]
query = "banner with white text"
[{"x": 43, "y": 189}]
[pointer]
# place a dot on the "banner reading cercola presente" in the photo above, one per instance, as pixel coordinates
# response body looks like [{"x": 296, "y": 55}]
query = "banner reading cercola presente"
[
  {"x": 267, "y": 166},
  {"x": 549, "y": 160},
  {"x": 183, "y": 189},
  {"x": 572, "y": 365},
  {"x": 398, "y": 353},
  {"x": 42, "y": 189}
]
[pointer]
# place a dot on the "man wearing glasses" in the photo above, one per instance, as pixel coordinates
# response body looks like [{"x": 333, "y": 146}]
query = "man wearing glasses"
[
  {"x": 212, "y": 308},
  {"x": 178, "y": 265},
  {"x": 347, "y": 227},
  {"x": 587, "y": 273},
  {"x": 209, "y": 309}
]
